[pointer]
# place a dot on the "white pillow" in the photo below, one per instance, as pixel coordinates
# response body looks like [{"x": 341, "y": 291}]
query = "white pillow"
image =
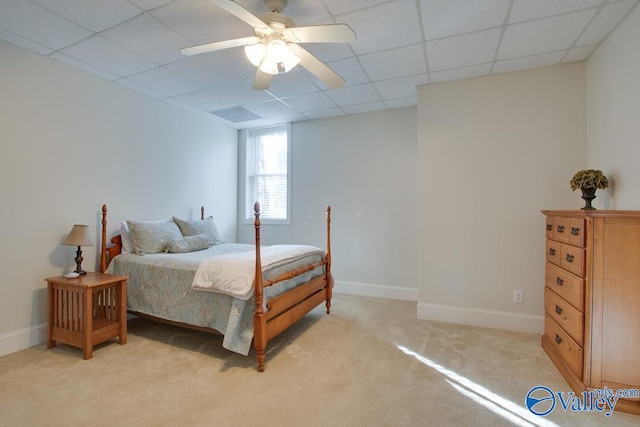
[{"x": 125, "y": 237}]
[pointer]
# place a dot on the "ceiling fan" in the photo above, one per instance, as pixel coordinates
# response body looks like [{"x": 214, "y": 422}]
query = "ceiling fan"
[{"x": 274, "y": 46}]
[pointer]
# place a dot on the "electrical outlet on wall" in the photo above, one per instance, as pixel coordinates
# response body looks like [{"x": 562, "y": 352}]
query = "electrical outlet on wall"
[{"x": 518, "y": 296}]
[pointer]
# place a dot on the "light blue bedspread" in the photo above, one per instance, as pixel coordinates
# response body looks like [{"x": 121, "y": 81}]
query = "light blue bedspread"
[{"x": 160, "y": 285}]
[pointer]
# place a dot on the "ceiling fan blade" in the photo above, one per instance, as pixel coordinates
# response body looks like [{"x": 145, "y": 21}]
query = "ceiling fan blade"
[
  {"x": 262, "y": 80},
  {"x": 235, "y": 9},
  {"x": 319, "y": 69},
  {"x": 331, "y": 33},
  {"x": 210, "y": 47}
]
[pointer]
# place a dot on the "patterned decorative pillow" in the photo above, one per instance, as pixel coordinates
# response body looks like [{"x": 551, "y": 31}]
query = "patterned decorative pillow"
[
  {"x": 206, "y": 226},
  {"x": 189, "y": 244},
  {"x": 152, "y": 237}
]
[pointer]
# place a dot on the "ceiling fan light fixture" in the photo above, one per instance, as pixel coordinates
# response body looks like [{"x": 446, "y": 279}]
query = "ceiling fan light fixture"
[
  {"x": 255, "y": 53},
  {"x": 273, "y": 56}
]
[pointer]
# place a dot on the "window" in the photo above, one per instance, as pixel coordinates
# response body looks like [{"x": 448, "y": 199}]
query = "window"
[{"x": 266, "y": 173}]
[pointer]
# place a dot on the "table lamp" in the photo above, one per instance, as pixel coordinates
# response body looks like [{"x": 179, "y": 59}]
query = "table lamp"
[{"x": 78, "y": 236}]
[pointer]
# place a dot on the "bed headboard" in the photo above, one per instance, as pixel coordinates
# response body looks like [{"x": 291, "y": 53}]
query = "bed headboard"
[{"x": 107, "y": 253}]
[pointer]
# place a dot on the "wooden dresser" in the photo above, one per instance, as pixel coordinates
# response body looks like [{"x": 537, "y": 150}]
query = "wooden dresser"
[{"x": 592, "y": 299}]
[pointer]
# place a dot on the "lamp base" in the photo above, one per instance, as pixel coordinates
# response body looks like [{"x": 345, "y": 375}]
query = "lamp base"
[{"x": 78, "y": 259}]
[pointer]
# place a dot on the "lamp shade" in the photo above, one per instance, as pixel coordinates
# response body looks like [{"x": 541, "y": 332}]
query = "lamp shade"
[{"x": 78, "y": 236}]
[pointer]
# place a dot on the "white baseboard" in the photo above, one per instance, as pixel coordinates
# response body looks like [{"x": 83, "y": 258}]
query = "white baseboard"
[
  {"x": 22, "y": 339},
  {"x": 484, "y": 318},
  {"x": 376, "y": 291}
]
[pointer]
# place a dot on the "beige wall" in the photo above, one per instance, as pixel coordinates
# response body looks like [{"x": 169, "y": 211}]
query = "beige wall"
[
  {"x": 492, "y": 152},
  {"x": 613, "y": 106},
  {"x": 71, "y": 142},
  {"x": 361, "y": 163}
]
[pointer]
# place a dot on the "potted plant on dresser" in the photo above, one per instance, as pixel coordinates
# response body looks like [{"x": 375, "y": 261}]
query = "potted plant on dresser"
[{"x": 589, "y": 180}]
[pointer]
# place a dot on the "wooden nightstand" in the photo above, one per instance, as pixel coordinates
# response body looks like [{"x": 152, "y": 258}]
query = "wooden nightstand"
[{"x": 87, "y": 310}]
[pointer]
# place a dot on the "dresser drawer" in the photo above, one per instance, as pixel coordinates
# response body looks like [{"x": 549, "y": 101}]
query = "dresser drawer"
[
  {"x": 572, "y": 259},
  {"x": 549, "y": 227},
  {"x": 567, "y": 316},
  {"x": 576, "y": 232},
  {"x": 564, "y": 345},
  {"x": 554, "y": 252},
  {"x": 565, "y": 284},
  {"x": 561, "y": 229},
  {"x": 567, "y": 230}
]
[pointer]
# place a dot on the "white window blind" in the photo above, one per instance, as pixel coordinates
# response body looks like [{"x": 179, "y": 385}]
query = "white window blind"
[{"x": 266, "y": 172}]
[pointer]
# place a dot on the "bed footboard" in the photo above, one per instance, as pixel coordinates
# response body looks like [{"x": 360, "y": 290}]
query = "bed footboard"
[{"x": 286, "y": 309}]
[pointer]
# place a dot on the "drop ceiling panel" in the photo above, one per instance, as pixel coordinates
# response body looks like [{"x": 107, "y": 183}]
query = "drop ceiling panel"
[
  {"x": 364, "y": 108},
  {"x": 108, "y": 56},
  {"x": 608, "y": 18},
  {"x": 165, "y": 81},
  {"x": 201, "y": 21},
  {"x": 350, "y": 70},
  {"x": 536, "y": 61},
  {"x": 338, "y": 7},
  {"x": 460, "y": 73},
  {"x": 310, "y": 102},
  {"x": 353, "y": 95},
  {"x": 370, "y": 24},
  {"x": 323, "y": 114},
  {"x": 462, "y": 51},
  {"x": 149, "y": 4},
  {"x": 205, "y": 70},
  {"x": 149, "y": 38},
  {"x": 19, "y": 41},
  {"x": 95, "y": 15},
  {"x": 39, "y": 25},
  {"x": 384, "y": 65},
  {"x": 402, "y": 87},
  {"x": 410, "y": 101},
  {"x": 232, "y": 95},
  {"x": 327, "y": 52},
  {"x": 294, "y": 82},
  {"x": 544, "y": 35},
  {"x": 65, "y": 59},
  {"x": 271, "y": 108},
  {"x": 303, "y": 12},
  {"x": 446, "y": 18},
  {"x": 579, "y": 53},
  {"x": 527, "y": 10}
]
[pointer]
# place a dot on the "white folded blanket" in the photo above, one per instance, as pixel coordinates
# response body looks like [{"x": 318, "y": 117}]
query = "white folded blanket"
[{"x": 233, "y": 274}]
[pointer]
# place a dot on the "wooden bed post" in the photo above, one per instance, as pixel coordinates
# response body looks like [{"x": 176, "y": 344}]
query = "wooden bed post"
[
  {"x": 259, "y": 320},
  {"x": 328, "y": 277},
  {"x": 202, "y": 213},
  {"x": 103, "y": 248}
]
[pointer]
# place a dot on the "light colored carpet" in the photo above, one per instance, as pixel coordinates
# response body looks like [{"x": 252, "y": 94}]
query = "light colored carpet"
[{"x": 369, "y": 363}]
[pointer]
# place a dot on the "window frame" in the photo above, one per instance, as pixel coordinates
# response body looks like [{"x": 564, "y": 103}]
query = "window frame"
[{"x": 245, "y": 208}]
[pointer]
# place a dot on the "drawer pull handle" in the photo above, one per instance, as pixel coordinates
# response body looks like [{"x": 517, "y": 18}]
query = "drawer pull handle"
[
  {"x": 561, "y": 229},
  {"x": 559, "y": 281},
  {"x": 575, "y": 231},
  {"x": 570, "y": 258},
  {"x": 549, "y": 227},
  {"x": 558, "y": 310},
  {"x": 552, "y": 251},
  {"x": 558, "y": 339}
]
